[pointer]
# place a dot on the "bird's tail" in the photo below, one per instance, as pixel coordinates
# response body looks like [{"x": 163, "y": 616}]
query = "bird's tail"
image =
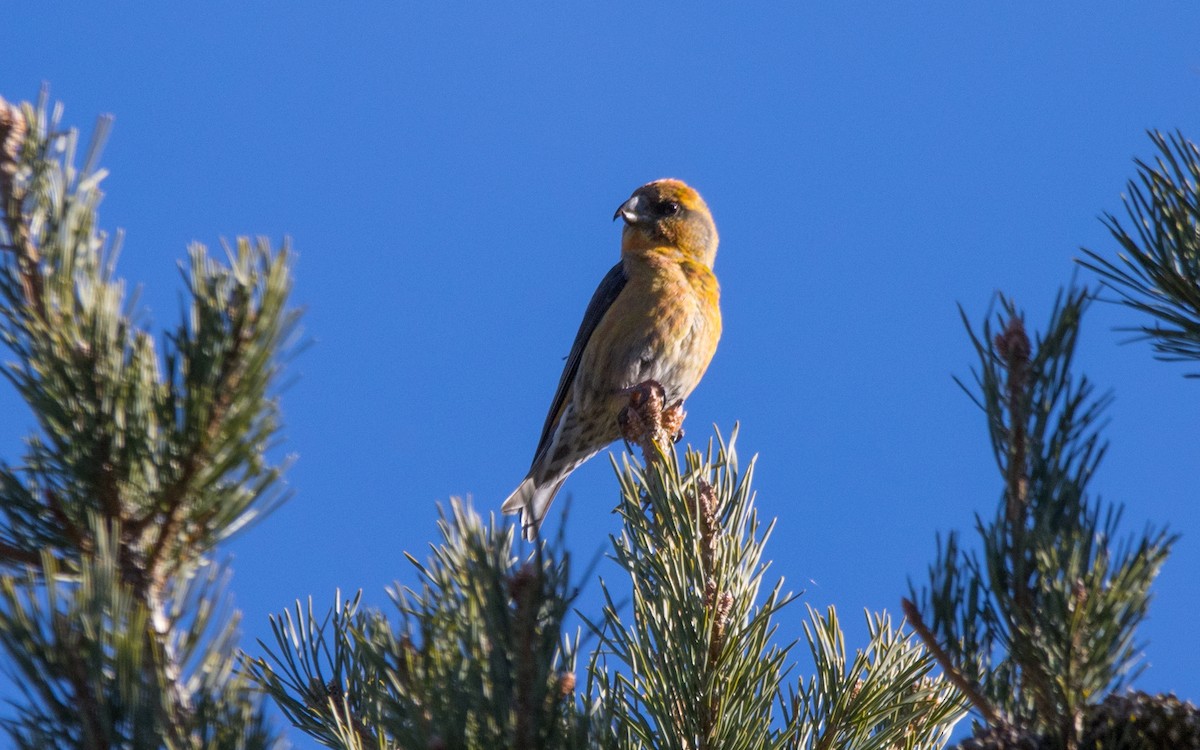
[{"x": 532, "y": 501}]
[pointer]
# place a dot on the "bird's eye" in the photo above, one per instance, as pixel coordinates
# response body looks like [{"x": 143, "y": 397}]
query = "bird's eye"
[{"x": 669, "y": 208}]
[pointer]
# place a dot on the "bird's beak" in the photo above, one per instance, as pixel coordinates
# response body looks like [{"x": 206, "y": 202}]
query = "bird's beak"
[{"x": 628, "y": 210}]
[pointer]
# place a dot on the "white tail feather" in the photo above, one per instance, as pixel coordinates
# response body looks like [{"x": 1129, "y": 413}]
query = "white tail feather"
[
  {"x": 531, "y": 501},
  {"x": 519, "y": 498}
]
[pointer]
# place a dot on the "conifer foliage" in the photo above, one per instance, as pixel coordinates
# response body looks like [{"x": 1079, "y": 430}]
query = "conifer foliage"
[
  {"x": 1157, "y": 271},
  {"x": 1039, "y": 628},
  {"x": 146, "y": 457},
  {"x": 1040, "y": 624},
  {"x": 149, "y": 452},
  {"x": 479, "y": 656}
]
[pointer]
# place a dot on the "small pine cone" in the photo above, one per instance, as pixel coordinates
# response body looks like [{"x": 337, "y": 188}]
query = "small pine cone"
[
  {"x": 520, "y": 582},
  {"x": 566, "y": 684},
  {"x": 633, "y": 428},
  {"x": 1140, "y": 721},
  {"x": 641, "y": 421}
]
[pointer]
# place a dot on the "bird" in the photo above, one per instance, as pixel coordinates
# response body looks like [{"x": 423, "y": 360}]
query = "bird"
[{"x": 654, "y": 318}]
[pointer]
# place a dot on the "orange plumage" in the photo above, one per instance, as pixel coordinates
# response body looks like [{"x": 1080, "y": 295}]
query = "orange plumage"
[{"x": 655, "y": 316}]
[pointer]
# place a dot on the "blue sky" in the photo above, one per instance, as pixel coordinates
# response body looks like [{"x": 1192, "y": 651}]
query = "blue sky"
[{"x": 447, "y": 175}]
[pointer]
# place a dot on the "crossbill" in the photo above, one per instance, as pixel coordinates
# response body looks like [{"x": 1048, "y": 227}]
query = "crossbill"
[{"x": 655, "y": 317}]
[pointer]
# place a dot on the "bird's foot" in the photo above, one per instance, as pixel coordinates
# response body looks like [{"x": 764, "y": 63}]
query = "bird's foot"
[
  {"x": 645, "y": 392},
  {"x": 672, "y": 421}
]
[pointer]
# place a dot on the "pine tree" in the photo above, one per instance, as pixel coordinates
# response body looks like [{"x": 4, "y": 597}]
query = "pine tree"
[
  {"x": 1040, "y": 624},
  {"x": 479, "y": 657},
  {"x": 112, "y": 614},
  {"x": 1038, "y": 628}
]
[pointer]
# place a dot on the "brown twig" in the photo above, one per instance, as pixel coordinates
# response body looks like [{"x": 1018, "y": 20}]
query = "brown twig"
[
  {"x": 649, "y": 423},
  {"x": 173, "y": 497},
  {"x": 965, "y": 684},
  {"x": 526, "y": 588},
  {"x": 150, "y": 577},
  {"x": 1014, "y": 350},
  {"x": 10, "y": 553},
  {"x": 718, "y": 603}
]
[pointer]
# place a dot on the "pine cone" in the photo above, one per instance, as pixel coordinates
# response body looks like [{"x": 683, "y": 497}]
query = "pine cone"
[
  {"x": 1133, "y": 721},
  {"x": 1140, "y": 721}
]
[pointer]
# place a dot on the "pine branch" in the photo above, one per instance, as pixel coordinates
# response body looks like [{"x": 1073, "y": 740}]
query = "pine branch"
[
  {"x": 1040, "y": 623},
  {"x": 696, "y": 667},
  {"x": 884, "y": 698},
  {"x": 173, "y": 503},
  {"x": 1012, "y": 349},
  {"x": 477, "y": 659},
  {"x": 1157, "y": 271},
  {"x": 964, "y": 684},
  {"x": 108, "y": 615}
]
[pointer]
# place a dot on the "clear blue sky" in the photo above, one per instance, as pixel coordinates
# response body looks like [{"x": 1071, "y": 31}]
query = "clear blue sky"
[{"x": 448, "y": 175}]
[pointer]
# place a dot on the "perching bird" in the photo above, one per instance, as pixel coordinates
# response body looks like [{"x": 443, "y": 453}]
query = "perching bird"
[{"x": 655, "y": 316}]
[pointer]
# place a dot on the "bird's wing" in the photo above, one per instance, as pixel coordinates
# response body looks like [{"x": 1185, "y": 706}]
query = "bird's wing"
[{"x": 610, "y": 286}]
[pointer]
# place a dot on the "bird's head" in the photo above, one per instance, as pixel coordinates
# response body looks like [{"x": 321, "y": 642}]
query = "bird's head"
[{"x": 668, "y": 213}]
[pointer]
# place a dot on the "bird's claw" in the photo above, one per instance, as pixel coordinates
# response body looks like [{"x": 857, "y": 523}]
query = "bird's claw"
[
  {"x": 645, "y": 393},
  {"x": 672, "y": 421}
]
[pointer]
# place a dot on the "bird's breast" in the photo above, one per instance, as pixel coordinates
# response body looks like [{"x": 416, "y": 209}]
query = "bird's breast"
[{"x": 664, "y": 326}]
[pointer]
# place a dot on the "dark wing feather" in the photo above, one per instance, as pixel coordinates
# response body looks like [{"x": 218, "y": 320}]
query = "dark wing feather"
[{"x": 610, "y": 286}]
